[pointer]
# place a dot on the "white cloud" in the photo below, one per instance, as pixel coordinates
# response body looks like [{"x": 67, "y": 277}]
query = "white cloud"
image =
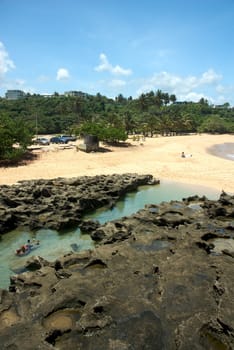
[
  {"x": 183, "y": 87},
  {"x": 193, "y": 96},
  {"x": 6, "y": 64},
  {"x": 227, "y": 89},
  {"x": 106, "y": 66},
  {"x": 210, "y": 77},
  {"x": 62, "y": 74}
]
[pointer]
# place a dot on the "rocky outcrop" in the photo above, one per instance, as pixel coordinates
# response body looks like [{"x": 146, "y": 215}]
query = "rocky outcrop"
[
  {"x": 60, "y": 203},
  {"x": 159, "y": 279}
]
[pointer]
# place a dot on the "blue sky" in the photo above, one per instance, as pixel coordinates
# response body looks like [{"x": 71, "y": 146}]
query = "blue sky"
[{"x": 117, "y": 47}]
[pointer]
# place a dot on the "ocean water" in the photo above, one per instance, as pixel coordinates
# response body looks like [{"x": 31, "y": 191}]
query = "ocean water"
[
  {"x": 54, "y": 244},
  {"x": 224, "y": 150}
]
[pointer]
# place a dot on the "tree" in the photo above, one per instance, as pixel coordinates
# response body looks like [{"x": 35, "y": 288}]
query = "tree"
[
  {"x": 172, "y": 98},
  {"x": 203, "y": 101},
  {"x": 129, "y": 122},
  {"x": 107, "y": 133},
  {"x": 15, "y": 136},
  {"x": 159, "y": 98},
  {"x": 59, "y": 114},
  {"x": 214, "y": 124},
  {"x": 143, "y": 103},
  {"x": 121, "y": 99}
]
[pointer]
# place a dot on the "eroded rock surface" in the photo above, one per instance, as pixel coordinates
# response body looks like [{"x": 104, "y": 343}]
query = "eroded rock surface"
[
  {"x": 60, "y": 203},
  {"x": 154, "y": 281}
]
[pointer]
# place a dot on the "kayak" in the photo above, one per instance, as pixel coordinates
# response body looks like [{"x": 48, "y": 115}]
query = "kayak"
[{"x": 25, "y": 250}]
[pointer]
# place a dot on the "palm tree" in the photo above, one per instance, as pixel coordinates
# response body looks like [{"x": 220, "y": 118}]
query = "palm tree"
[
  {"x": 172, "y": 98},
  {"x": 143, "y": 103}
]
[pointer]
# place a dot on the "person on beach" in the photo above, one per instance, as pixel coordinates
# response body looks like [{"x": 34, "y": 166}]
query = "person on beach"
[{"x": 185, "y": 156}]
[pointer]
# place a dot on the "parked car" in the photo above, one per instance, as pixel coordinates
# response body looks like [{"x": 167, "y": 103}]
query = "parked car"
[
  {"x": 70, "y": 137},
  {"x": 41, "y": 141},
  {"x": 59, "y": 139}
]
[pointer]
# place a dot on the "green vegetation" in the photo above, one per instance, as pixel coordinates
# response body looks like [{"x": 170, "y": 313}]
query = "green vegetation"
[
  {"x": 107, "y": 133},
  {"x": 15, "y": 136},
  {"x": 112, "y": 120}
]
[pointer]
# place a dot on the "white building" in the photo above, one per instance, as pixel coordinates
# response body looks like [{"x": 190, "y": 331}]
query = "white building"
[
  {"x": 75, "y": 93},
  {"x": 14, "y": 94}
]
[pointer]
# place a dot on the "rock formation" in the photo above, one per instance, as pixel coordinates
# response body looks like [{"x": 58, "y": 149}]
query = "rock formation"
[
  {"x": 60, "y": 203},
  {"x": 161, "y": 278}
]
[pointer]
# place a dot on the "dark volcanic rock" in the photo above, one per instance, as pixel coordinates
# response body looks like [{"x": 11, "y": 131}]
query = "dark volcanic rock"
[
  {"x": 159, "y": 279},
  {"x": 60, "y": 203}
]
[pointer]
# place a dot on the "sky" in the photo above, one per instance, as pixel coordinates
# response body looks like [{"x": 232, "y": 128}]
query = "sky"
[{"x": 128, "y": 47}]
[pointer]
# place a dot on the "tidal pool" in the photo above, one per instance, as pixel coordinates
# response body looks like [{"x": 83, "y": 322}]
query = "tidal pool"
[
  {"x": 54, "y": 244},
  {"x": 164, "y": 192}
]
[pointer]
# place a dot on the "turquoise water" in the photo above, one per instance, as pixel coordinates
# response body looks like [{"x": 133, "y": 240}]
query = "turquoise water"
[
  {"x": 54, "y": 244},
  {"x": 166, "y": 191}
]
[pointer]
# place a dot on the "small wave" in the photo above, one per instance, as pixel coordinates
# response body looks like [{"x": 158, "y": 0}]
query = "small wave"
[
  {"x": 230, "y": 156},
  {"x": 224, "y": 150}
]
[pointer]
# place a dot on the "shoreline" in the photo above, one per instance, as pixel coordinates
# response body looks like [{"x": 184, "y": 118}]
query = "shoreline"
[
  {"x": 159, "y": 156},
  {"x": 225, "y": 150}
]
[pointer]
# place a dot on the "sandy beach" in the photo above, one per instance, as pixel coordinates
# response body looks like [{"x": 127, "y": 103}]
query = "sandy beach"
[{"x": 159, "y": 156}]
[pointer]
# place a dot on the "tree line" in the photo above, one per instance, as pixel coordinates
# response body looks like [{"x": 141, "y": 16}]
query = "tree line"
[{"x": 110, "y": 119}]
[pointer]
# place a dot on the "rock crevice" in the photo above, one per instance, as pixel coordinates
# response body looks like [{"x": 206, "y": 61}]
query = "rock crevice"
[{"x": 153, "y": 281}]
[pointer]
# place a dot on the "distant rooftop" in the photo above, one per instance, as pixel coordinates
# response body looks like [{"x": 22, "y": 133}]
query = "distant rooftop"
[
  {"x": 14, "y": 94},
  {"x": 75, "y": 93}
]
